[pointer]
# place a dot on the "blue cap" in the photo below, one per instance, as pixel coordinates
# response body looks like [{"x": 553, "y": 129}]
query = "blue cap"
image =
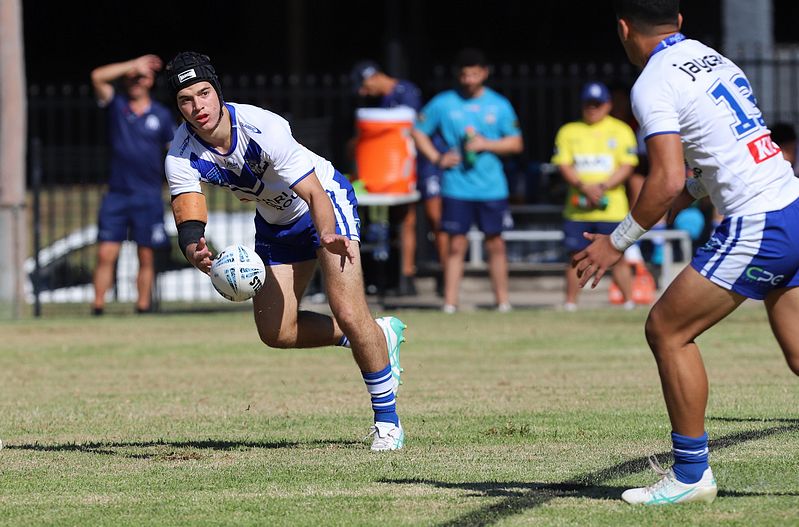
[{"x": 595, "y": 91}]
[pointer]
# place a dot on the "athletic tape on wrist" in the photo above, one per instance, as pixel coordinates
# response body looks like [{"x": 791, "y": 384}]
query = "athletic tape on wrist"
[
  {"x": 626, "y": 233},
  {"x": 695, "y": 188}
]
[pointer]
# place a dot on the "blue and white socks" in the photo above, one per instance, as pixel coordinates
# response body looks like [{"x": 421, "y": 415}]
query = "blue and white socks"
[
  {"x": 690, "y": 457},
  {"x": 380, "y": 385},
  {"x": 344, "y": 342}
]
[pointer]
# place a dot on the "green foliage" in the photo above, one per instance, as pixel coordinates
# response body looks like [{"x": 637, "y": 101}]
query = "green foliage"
[{"x": 527, "y": 418}]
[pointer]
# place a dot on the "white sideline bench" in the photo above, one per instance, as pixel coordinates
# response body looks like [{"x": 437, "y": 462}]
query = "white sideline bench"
[{"x": 670, "y": 267}]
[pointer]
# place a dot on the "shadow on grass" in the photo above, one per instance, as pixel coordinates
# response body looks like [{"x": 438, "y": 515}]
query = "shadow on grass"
[
  {"x": 521, "y": 496},
  {"x": 162, "y": 447}
]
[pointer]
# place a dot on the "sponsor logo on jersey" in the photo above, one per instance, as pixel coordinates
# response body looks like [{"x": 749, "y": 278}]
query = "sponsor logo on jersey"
[
  {"x": 705, "y": 64},
  {"x": 250, "y": 127},
  {"x": 185, "y": 144},
  {"x": 758, "y": 274},
  {"x": 593, "y": 163},
  {"x": 763, "y": 148}
]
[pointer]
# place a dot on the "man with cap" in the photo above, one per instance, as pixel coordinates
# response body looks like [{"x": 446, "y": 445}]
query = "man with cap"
[
  {"x": 305, "y": 211},
  {"x": 139, "y": 132},
  {"x": 370, "y": 81},
  {"x": 595, "y": 156}
]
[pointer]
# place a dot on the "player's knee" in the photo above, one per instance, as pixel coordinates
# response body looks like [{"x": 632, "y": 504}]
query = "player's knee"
[
  {"x": 655, "y": 331},
  {"x": 274, "y": 338}
]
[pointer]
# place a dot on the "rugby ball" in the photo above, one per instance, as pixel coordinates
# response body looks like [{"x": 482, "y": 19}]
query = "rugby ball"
[{"x": 238, "y": 273}]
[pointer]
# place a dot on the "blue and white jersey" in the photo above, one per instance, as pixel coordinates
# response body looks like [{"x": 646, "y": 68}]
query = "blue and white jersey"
[
  {"x": 692, "y": 90},
  {"x": 263, "y": 164}
]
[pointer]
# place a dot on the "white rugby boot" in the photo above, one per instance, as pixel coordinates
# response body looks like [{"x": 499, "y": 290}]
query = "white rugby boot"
[
  {"x": 668, "y": 490},
  {"x": 387, "y": 436}
]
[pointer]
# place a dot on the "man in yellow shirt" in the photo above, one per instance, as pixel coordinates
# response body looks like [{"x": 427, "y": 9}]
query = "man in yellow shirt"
[{"x": 595, "y": 156}]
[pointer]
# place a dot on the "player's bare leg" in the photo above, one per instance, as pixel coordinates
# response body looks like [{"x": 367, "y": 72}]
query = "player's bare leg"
[
  {"x": 782, "y": 306},
  {"x": 498, "y": 269},
  {"x": 145, "y": 278},
  {"x": 453, "y": 273},
  {"x": 279, "y": 321},
  {"x": 690, "y": 305},
  {"x": 107, "y": 254},
  {"x": 345, "y": 292},
  {"x": 370, "y": 345}
]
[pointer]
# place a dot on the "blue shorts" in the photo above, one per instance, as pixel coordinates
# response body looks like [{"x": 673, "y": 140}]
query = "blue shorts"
[
  {"x": 429, "y": 185},
  {"x": 492, "y": 217},
  {"x": 753, "y": 255},
  {"x": 298, "y": 241},
  {"x": 573, "y": 239},
  {"x": 136, "y": 217}
]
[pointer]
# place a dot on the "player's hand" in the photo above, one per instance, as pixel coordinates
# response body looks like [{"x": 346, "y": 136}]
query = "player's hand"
[
  {"x": 199, "y": 255},
  {"x": 340, "y": 245},
  {"x": 595, "y": 259},
  {"x": 449, "y": 159},
  {"x": 680, "y": 203}
]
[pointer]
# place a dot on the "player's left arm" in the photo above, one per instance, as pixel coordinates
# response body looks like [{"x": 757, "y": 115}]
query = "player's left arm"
[{"x": 311, "y": 191}]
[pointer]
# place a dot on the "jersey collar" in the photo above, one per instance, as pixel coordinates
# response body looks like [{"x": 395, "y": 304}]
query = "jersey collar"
[{"x": 676, "y": 38}]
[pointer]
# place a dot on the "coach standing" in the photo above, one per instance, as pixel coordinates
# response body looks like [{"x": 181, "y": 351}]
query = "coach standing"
[{"x": 139, "y": 131}]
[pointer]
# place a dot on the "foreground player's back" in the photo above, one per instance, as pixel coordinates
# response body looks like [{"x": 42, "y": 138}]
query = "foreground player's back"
[{"x": 691, "y": 89}]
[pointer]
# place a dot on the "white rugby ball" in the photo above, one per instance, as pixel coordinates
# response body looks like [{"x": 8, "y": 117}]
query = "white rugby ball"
[{"x": 238, "y": 273}]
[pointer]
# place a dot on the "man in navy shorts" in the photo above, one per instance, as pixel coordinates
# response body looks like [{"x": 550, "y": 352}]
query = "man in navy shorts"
[
  {"x": 139, "y": 130},
  {"x": 478, "y": 125}
]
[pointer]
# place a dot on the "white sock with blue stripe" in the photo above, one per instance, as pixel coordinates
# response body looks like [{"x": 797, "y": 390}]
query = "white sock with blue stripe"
[
  {"x": 380, "y": 385},
  {"x": 344, "y": 342}
]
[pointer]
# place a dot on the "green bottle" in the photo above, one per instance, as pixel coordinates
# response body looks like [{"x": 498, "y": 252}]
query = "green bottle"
[{"x": 469, "y": 156}]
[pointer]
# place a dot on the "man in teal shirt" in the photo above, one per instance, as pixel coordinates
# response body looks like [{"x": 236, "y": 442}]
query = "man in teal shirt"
[{"x": 478, "y": 125}]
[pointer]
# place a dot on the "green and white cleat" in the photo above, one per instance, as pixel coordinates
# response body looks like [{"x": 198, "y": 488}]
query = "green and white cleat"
[
  {"x": 393, "y": 328},
  {"x": 387, "y": 436},
  {"x": 668, "y": 490}
]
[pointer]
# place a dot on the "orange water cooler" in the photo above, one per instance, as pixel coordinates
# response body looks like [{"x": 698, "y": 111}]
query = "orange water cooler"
[{"x": 385, "y": 153}]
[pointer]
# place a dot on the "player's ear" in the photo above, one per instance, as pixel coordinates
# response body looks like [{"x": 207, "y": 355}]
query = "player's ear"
[{"x": 623, "y": 28}]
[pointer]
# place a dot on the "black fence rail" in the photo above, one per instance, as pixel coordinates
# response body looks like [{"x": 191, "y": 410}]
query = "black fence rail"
[{"x": 71, "y": 156}]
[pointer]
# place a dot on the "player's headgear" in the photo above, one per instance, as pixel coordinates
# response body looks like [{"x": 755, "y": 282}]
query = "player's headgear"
[{"x": 189, "y": 68}]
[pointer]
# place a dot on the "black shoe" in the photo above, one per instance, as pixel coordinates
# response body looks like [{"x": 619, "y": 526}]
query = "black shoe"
[
  {"x": 407, "y": 286},
  {"x": 145, "y": 311},
  {"x": 97, "y": 311}
]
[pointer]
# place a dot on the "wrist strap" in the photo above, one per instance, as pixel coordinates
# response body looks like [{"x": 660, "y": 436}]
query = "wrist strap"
[{"x": 626, "y": 233}]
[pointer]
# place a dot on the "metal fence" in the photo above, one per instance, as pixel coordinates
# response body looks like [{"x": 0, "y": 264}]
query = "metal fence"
[{"x": 69, "y": 154}]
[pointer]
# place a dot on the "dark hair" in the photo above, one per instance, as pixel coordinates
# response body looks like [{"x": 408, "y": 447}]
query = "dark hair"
[
  {"x": 470, "y": 57},
  {"x": 782, "y": 133},
  {"x": 647, "y": 13}
]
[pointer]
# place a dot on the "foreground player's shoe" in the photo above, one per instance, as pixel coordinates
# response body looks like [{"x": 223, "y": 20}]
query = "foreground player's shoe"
[
  {"x": 387, "y": 436},
  {"x": 669, "y": 490},
  {"x": 393, "y": 329}
]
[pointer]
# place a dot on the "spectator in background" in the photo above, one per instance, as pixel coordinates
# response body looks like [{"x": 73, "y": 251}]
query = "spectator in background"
[
  {"x": 478, "y": 126},
  {"x": 370, "y": 81},
  {"x": 784, "y": 135},
  {"x": 139, "y": 132},
  {"x": 596, "y": 156}
]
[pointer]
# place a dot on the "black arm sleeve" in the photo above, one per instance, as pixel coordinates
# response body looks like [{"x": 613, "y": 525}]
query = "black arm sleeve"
[{"x": 190, "y": 232}]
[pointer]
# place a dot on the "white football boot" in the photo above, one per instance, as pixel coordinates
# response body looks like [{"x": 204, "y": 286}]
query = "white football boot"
[
  {"x": 387, "y": 436},
  {"x": 393, "y": 329},
  {"x": 668, "y": 490}
]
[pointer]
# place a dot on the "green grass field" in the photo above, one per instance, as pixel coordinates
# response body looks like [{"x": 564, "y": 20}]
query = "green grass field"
[{"x": 530, "y": 418}]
